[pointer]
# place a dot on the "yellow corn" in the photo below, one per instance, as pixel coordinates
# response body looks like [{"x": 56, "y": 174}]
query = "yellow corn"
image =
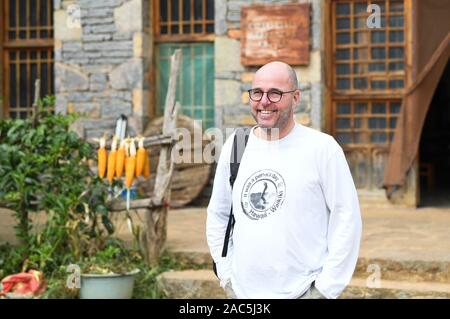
[
  {"x": 112, "y": 160},
  {"x": 147, "y": 165},
  {"x": 130, "y": 165},
  {"x": 102, "y": 158},
  {"x": 140, "y": 157},
  {"x": 120, "y": 159}
]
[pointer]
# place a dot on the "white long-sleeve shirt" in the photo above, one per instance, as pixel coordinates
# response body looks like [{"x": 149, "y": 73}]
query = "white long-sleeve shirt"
[{"x": 297, "y": 217}]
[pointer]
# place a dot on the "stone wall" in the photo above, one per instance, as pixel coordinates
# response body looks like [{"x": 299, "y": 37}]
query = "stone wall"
[
  {"x": 232, "y": 79},
  {"x": 102, "y": 64}
]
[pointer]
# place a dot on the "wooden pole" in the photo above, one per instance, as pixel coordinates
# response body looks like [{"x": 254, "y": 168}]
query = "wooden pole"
[{"x": 155, "y": 232}]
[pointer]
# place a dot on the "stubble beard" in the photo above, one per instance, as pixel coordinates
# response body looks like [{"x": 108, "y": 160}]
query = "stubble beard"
[{"x": 282, "y": 122}]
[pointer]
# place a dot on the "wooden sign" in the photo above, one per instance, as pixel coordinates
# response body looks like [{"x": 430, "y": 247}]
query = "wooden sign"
[{"x": 275, "y": 32}]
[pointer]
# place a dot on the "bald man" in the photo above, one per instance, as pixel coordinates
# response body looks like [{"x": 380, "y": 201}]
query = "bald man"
[{"x": 297, "y": 220}]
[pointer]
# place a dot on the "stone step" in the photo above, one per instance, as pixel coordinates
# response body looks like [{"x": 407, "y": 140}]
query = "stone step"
[
  {"x": 407, "y": 270},
  {"x": 203, "y": 284}
]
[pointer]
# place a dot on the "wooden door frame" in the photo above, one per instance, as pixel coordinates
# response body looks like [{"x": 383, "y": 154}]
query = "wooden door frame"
[
  {"x": 412, "y": 184},
  {"x": 156, "y": 39}
]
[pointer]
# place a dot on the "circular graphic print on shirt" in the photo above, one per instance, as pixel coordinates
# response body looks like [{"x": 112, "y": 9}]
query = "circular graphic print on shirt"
[{"x": 262, "y": 194}]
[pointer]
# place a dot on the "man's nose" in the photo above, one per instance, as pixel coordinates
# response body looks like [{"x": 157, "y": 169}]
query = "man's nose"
[{"x": 265, "y": 99}]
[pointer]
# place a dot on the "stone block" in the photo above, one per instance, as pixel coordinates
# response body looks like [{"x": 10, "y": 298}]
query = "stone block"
[
  {"x": 99, "y": 4},
  {"x": 116, "y": 54},
  {"x": 99, "y": 13},
  {"x": 227, "y": 92},
  {"x": 227, "y": 55},
  {"x": 141, "y": 102},
  {"x": 138, "y": 45},
  {"x": 98, "y": 78},
  {"x": 97, "y": 20},
  {"x": 113, "y": 109},
  {"x": 81, "y": 96},
  {"x": 90, "y": 124},
  {"x": 123, "y": 36},
  {"x": 312, "y": 72},
  {"x": 220, "y": 14},
  {"x": 70, "y": 79},
  {"x": 96, "y": 37},
  {"x": 107, "y": 61},
  {"x": 108, "y": 46},
  {"x": 98, "y": 29},
  {"x": 56, "y": 4},
  {"x": 90, "y": 110},
  {"x": 71, "y": 46},
  {"x": 128, "y": 17},
  {"x": 127, "y": 76},
  {"x": 64, "y": 30},
  {"x": 95, "y": 87},
  {"x": 122, "y": 95}
]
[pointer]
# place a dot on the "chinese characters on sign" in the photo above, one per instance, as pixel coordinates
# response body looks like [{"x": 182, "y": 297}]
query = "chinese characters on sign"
[{"x": 275, "y": 32}]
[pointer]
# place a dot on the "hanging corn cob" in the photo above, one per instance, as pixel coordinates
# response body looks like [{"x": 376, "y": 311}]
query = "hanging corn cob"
[
  {"x": 140, "y": 157},
  {"x": 102, "y": 155},
  {"x": 130, "y": 168},
  {"x": 147, "y": 165},
  {"x": 112, "y": 157},
  {"x": 120, "y": 159},
  {"x": 130, "y": 164}
]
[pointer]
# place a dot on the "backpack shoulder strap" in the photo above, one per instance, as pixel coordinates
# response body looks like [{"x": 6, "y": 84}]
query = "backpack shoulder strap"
[{"x": 237, "y": 151}]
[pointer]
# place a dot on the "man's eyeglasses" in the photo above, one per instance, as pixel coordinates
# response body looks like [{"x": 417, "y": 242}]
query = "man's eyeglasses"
[{"x": 273, "y": 95}]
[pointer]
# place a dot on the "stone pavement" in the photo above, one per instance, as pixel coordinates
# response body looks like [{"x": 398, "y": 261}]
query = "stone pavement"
[
  {"x": 399, "y": 234},
  {"x": 409, "y": 247}
]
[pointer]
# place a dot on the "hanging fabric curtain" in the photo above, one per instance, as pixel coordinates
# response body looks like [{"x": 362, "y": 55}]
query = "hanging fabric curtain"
[{"x": 431, "y": 52}]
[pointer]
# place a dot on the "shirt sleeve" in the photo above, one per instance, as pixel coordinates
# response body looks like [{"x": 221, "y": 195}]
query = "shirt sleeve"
[
  {"x": 218, "y": 213},
  {"x": 344, "y": 228}
]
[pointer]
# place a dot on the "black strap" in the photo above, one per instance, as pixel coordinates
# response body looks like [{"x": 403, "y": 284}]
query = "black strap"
[{"x": 237, "y": 151}]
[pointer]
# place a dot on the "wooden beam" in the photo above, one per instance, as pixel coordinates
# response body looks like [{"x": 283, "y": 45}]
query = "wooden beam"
[
  {"x": 148, "y": 141},
  {"x": 120, "y": 205}
]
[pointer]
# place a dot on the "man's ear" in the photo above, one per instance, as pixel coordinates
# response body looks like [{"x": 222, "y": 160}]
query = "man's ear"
[{"x": 297, "y": 96}]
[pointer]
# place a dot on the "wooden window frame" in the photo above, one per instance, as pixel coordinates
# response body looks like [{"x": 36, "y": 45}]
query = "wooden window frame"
[
  {"x": 331, "y": 95},
  {"x": 5, "y": 44},
  {"x": 192, "y": 37}
]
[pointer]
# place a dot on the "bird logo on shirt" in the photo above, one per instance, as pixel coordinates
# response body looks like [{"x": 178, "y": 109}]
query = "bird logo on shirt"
[{"x": 262, "y": 194}]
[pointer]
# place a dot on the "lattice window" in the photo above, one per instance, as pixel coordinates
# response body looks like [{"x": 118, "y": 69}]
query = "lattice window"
[
  {"x": 368, "y": 59},
  {"x": 367, "y": 62},
  {"x": 184, "y": 19},
  {"x": 27, "y": 33},
  {"x": 365, "y": 121},
  {"x": 188, "y": 25}
]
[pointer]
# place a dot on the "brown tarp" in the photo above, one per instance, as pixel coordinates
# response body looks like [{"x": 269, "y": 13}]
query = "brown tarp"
[{"x": 431, "y": 52}]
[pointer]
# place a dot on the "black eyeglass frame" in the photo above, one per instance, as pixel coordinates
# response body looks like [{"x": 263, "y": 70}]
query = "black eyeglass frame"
[{"x": 267, "y": 93}]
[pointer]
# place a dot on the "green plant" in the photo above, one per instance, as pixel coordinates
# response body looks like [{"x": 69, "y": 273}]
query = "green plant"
[
  {"x": 44, "y": 168},
  {"x": 114, "y": 258}
]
